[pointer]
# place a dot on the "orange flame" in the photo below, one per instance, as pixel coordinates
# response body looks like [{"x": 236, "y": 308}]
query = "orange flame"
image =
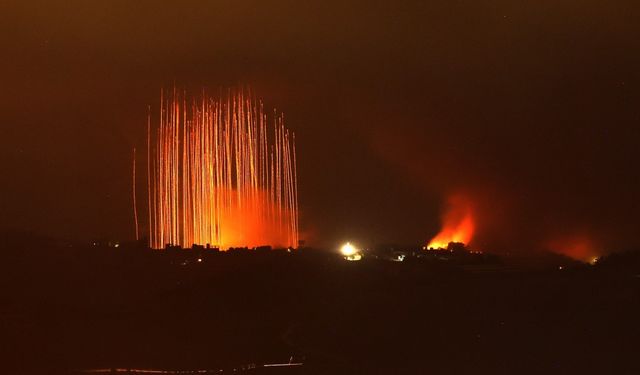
[{"x": 457, "y": 224}]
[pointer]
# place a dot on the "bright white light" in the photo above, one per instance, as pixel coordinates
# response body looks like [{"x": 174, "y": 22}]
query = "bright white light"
[
  {"x": 350, "y": 252},
  {"x": 353, "y": 257},
  {"x": 199, "y": 259},
  {"x": 348, "y": 249}
]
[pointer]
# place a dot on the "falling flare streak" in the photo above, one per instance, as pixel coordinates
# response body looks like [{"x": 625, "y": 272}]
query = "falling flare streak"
[
  {"x": 133, "y": 193},
  {"x": 215, "y": 176}
]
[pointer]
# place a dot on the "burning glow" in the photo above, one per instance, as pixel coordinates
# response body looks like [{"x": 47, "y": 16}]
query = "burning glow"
[
  {"x": 350, "y": 252},
  {"x": 220, "y": 174},
  {"x": 577, "y": 246},
  {"x": 348, "y": 249},
  {"x": 457, "y": 224}
]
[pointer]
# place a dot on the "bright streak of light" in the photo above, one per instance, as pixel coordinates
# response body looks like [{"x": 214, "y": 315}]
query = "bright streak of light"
[
  {"x": 220, "y": 173},
  {"x": 133, "y": 189}
]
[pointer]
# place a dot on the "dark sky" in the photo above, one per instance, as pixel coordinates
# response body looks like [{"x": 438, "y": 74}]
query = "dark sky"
[{"x": 528, "y": 108}]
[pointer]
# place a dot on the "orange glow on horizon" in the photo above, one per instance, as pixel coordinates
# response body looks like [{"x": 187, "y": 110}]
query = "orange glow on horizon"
[
  {"x": 577, "y": 246},
  {"x": 457, "y": 224}
]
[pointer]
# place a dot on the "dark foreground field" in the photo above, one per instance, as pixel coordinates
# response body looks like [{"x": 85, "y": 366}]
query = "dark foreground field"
[{"x": 68, "y": 310}]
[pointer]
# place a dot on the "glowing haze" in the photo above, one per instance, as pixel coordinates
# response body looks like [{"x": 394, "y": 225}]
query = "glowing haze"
[
  {"x": 575, "y": 245},
  {"x": 457, "y": 223},
  {"x": 221, "y": 174}
]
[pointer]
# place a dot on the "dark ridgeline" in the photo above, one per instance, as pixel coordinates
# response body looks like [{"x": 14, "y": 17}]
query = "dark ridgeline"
[{"x": 74, "y": 307}]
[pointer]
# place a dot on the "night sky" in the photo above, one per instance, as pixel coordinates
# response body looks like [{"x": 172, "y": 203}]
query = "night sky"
[{"x": 530, "y": 110}]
